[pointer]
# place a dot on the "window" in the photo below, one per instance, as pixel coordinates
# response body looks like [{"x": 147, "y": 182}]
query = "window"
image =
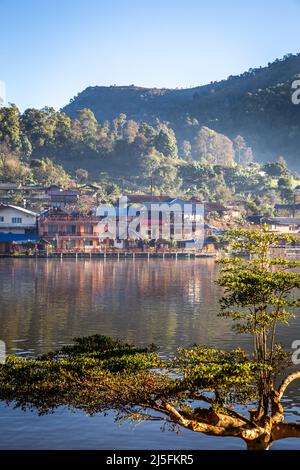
[
  {"x": 71, "y": 229},
  {"x": 1, "y": 218},
  {"x": 88, "y": 242},
  {"x": 52, "y": 229},
  {"x": 16, "y": 220},
  {"x": 88, "y": 229}
]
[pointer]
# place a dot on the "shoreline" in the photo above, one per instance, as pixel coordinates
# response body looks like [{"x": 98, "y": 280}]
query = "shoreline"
[{"x": 113, "y": 255}]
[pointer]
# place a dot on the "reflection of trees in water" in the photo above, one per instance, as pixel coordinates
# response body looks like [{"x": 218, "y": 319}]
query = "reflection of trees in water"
[{"x": 166, "y": 302}]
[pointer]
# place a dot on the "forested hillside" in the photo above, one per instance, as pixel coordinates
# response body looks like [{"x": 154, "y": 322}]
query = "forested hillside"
[
  {"x": 211, "y": 142},
  {"x": 121, "y": 156},
  {"x": 122, "y": 147},
  {"x": 256, "y": 104}
]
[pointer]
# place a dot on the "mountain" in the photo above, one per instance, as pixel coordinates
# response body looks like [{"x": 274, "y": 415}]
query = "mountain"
[{"x": 256, "y": 104}]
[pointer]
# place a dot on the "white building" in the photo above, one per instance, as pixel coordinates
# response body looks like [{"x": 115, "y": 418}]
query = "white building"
[
  {"x": 283, "y": 225},
  {"x": 17, "y": 220}
]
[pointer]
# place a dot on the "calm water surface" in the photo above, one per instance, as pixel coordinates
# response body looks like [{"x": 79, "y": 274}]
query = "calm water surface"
[{"x": 46, "y": 303}]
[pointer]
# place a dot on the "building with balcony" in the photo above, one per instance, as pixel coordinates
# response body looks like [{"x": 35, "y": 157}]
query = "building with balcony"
[
  {"x": 71, "y": 232},
  {"x": 59, "y": 197}
]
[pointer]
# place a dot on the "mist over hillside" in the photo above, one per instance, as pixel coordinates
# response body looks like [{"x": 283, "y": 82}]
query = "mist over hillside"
[
  {"x": 256, "y": 104},
  {"x": 211, "y": 142}
]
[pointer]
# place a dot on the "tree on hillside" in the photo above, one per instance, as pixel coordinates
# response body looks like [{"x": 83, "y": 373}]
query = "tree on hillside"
[
  {"x": 224, "y": 195},
  {"x": 11, "y": 169},
  {"x": 46, "y": 172},
  {"x": 89, "y": 127},
  {"x": 276, "y": 169},
  {"x": 166, "y": 143},
  {"x": 82, "y": 175},
  {"x": 10, "y": 127},
  {"x": 62, "y": 131},
  {"x": 186, "y": 150},
  {"x": 26, "y": 147},
  {"x": 243, "y": 153},
  {"x": 130, "y": 131},
  {"x": 149, "y": 164},
  {"x": 39, "y": 126},
  {"x": 166, "y": 180},
  {"x": 118, "y": 125},
  {"x": 213, "y": 148},
  {"x": 149, "y": 132},
  {"x": 202, "y": 389}
]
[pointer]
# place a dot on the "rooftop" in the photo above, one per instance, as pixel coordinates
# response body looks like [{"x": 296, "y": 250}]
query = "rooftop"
[
  {"x": 8, "y": 186},
  {"x": 63, "y": 192},
  {"x": 283, "y": 220},
  {"x": 20, "y": 209},
  {"x": 69, "y": 218}
]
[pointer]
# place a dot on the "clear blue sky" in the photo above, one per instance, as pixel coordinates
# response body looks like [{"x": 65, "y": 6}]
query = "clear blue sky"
[{"x": 52, "y": 49}]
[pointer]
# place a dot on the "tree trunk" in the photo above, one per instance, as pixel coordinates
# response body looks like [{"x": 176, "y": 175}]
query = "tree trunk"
[{"x": 258, "y": 445}]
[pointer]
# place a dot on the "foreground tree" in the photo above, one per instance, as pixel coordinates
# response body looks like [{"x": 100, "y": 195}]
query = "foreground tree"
[{"x": 200, "y": 388}]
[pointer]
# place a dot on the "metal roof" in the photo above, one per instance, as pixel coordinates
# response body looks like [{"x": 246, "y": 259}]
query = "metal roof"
[
  {"x": 283, "y": 220},
  {"x": 21, "y": 209}
]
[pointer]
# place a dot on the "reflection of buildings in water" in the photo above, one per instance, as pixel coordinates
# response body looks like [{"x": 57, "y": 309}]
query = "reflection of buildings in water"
[
  {"x": 201, "y": 283},
  {"x": 49, "y": 302}
]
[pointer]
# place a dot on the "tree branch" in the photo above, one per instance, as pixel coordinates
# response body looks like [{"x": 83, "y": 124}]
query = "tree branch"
[
  {"x": 285, "y": 430},
  {"x": 286, "y": 383},
  {"x": 226, "y": 426}
]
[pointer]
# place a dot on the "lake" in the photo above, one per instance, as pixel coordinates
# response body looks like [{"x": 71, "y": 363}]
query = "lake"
[{"x": 46, "y": 303}]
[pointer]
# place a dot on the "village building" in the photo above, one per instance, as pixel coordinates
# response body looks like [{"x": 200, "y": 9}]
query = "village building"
[
  {"x": 287, "y": 210},
  {"x": 71, "y": 232},
  {"x": 284, "y": 225},
  {"x": 164, "y": 218},
  {"x": 61, "y": 197},
  {"x": 7, "y": 190},
  {"x": 17, "y": 226}
]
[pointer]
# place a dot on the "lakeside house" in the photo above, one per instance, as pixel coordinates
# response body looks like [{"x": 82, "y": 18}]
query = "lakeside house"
[
  {"x": 164, "y": 217},
  {"x": 73, "y": 232},
  {"x": 89, "y": 232},
  {"x": 17, "y": 226},
  {"x": 174, "y": 222}
]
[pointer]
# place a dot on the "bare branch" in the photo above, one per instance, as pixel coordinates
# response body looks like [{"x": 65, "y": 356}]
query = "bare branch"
[
  {"x": 286, "y": 383},
  {"x": 285, "y": 430}
]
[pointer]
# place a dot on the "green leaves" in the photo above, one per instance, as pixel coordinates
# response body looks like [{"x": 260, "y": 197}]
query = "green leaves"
[
  {"x": 216, "y": 370},
  {"x": 260, "y": 292},
  {"x": 95, "y": 373},
  {"x": 100, "y": 373}
]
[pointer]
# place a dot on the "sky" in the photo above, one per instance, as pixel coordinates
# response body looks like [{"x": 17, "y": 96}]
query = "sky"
[{"x": 50, "y": 50}]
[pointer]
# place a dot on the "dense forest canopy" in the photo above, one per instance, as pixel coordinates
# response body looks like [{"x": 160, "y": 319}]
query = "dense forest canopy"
[{"x": 46, "y": 147}]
